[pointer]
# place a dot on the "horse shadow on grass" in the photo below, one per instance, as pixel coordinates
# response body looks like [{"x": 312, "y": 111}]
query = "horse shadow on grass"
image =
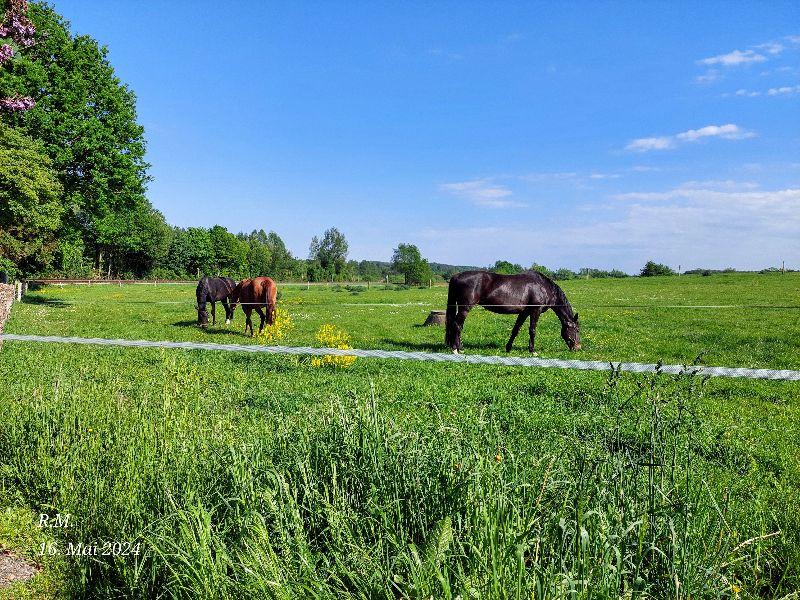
[
  {"x": 212, "y": 329},
  {"x": 438, "y": 346},
  {"x": 42, "y": 301}
]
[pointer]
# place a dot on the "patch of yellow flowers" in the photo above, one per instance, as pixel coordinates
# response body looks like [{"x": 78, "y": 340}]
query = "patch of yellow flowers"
[
  {"x": 279, "y": 329},
  {"x": 331, "y": 336}
]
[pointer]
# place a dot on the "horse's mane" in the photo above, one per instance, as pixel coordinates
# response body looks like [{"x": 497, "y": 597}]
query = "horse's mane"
[{"x": 560, "y": 295}]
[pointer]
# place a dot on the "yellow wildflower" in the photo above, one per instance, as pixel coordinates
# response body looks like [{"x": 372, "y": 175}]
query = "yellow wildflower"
[
  {"x": 329, "y": 336},
  {"x": 279, "y": 329}
]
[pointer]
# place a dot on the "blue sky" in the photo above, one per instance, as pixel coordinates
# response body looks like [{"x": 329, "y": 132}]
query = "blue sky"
[{"x": 584, "y": 134}]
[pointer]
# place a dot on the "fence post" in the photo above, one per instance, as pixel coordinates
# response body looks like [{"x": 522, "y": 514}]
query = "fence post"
[{"x": 17, "y": 291}]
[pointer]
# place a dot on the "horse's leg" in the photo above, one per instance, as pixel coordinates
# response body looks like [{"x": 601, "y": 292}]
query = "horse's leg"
[
  {"x": 461, "y": 316},
  {"x": 263, "y": 318},
  {"x": 248, "y": 311},
  {"x": 213, "y": 312},
  {"x": 520, "y": 320},
  {"x": 228, "y": 313},
  {"x": 535, "y": 314}
]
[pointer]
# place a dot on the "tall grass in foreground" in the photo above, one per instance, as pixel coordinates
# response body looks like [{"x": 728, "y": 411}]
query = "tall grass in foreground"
[{"x": 345, "y": 500}]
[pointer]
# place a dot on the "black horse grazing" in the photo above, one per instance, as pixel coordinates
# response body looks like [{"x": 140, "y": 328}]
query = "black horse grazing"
[
  {"x": 527, "y": 295},
  {"x": 211, "y": 289}
]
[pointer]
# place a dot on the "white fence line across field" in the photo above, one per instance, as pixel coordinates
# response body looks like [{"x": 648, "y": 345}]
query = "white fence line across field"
[
  {"x": 67, "y": 302},
  {"x": 584, "y": 365}
]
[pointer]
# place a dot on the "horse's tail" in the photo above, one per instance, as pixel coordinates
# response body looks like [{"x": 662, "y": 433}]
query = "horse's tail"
[
  {"x": 201, "y": 294},
  {"x": 270, "y": 299},
  {"x": 450, "y": 315}
]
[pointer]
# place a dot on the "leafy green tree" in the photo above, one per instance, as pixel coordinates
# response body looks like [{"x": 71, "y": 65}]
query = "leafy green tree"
[
  {"x": 542, "y": 269},
  {"x": 282, "y": 264},
  {"x": 564, "y": 274},
  {"x": 230, "y": 252},
  {"x": 179, "y": 254},
  {"x": 506, "y": 268},
  {"x": 86, "y": 119},
  {"x": 315, "y": 272},
  {"x": 30, "y": 210},
  {"x": 330, "y": 251},
  {"x": 654, "y": 269},
  {"x": 407, "y": 259},
  {"x": 201, "y": 252},
  {"x": 258, "y": 258},
  {"x": 369, "y": 270},
  {"x": 149, "y": 242}
]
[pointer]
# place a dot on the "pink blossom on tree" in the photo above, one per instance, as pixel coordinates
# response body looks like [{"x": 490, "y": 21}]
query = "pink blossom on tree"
[
  {"x": 6, "y": 53},
  {"x": 17, "y": 103},
  {"x": 17, "y": 26}
]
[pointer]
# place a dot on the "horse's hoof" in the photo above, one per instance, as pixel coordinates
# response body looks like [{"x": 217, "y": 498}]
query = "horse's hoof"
[
  {"x": 534, "y": 354},
  {"x": 227, "y": 321},
  {"x": 456, "y": 351}
]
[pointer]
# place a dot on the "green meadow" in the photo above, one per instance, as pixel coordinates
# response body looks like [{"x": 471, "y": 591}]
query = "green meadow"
[
  {"x": 218, "y": 475},
  {"x": 634, "y": 319}
]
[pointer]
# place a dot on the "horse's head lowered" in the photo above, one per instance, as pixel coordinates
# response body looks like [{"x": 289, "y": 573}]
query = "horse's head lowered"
[
  {"x": 202, "y": 315},
  {"x": 571, "y": 332}
]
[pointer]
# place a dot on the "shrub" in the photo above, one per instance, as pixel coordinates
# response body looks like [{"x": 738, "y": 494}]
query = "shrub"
[{"x": 654, "y": 269}]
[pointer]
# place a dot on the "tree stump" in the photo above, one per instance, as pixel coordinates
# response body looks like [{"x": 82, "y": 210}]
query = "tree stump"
[{"x": 437, "y": 317}]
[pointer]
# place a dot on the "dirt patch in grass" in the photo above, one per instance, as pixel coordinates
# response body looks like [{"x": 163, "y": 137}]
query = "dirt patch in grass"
[{"x": 14, "y": 569}]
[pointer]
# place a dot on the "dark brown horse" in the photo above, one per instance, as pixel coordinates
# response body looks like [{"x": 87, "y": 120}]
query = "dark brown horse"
[
  {"x": 212, "y": 289},
  {"x": 527, "y": 295},
  {"x": 256, "y": 294}
]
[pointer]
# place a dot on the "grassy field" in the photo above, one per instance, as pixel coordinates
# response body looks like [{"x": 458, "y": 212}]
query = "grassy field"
[
  {"x": 255, "y": 476},
  {"x": 391, "y": 319}
]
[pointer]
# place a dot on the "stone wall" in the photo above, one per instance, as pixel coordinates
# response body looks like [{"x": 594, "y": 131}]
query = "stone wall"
[{"x": 6, "y": 298}]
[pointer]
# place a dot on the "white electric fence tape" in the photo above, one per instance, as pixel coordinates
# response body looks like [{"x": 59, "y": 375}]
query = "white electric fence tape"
[{"x": 584, "y": 365}]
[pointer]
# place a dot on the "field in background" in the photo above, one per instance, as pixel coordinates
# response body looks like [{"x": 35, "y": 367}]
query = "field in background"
[
  {"x": 612, "y": 329},
  {"x": 264, "y": 476}
]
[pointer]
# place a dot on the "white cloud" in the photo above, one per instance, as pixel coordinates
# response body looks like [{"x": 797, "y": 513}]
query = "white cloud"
[
  {"x": 787, "y": 90},
  {"x": 604, "y": 176},
  {"x": 733, "y": 59},
  {"x": 556, "y": 175},
  {"x": 708, "y": 77},
  {"x": 512, "y": 37},
  {"x": 482, "y": 192},
  {"x": 691, "y": 226},
  {"x": 772, "y": 47},
  {"x": 691, "y": 189},
  {"x": 720, "y": 184},
  {"x": 651, "y": 143},
  {"x": 783, "y": 91},
  {"x": 728, "y": 132}
]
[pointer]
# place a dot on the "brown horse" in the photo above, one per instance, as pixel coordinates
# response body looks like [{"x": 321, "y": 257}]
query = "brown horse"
[
  {"x": 257, "y": 294},
  {"x": 526, "y": 295}
]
